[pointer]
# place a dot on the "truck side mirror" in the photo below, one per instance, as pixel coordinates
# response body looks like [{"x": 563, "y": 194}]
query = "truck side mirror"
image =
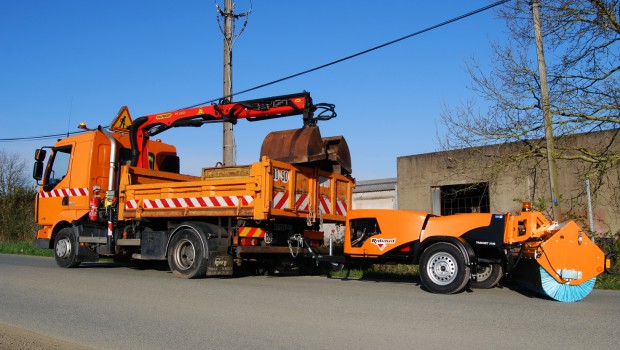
[
  {"x": 37, "y": 171},
  {"x": 39, "y": 157}
]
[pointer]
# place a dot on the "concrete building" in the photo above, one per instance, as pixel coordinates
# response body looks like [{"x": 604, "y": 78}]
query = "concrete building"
[{"x": 467, "y": 181}]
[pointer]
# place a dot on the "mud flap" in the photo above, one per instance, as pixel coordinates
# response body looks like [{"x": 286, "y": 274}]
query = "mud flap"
[{"x": 220, "y": 264}]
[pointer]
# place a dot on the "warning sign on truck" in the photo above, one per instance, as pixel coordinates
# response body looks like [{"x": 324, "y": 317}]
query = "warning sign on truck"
[{"x": 122, "y": 121}]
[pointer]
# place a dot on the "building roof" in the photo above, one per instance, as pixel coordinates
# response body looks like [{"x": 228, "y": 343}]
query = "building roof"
[{"x": 376, "y": 185}]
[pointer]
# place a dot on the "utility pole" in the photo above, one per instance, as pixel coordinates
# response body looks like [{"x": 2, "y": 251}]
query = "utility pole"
[
  {"x": 546, "y": 108},
  {"x": 228, "y": 157},
  {"x": 228, "y": 14}
]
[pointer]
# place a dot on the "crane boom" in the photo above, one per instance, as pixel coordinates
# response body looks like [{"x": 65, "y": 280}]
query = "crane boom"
[{"x": 252, "y": 110}]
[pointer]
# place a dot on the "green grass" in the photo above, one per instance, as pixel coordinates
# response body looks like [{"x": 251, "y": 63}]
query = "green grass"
[
  {"x": 606, "y": 281},
  {"x": 23, "y": 248}
]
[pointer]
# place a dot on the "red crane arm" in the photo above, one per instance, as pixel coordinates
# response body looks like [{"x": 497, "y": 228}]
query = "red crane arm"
[{"x": 252, "y": 110}]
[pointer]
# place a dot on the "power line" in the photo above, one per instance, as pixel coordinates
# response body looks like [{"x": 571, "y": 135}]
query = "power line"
[
  {"x": 469, "y": 14},
  {"x": 455, "y": 19},
  {"x": 42, "y": 137}
]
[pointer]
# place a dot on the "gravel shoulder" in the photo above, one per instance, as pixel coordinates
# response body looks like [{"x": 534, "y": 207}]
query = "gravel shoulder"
[{"x": 15, "y": 338}]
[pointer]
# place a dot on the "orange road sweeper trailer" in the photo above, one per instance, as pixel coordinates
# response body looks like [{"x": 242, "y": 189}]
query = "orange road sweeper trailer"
[{"x": 478, "y": 250}]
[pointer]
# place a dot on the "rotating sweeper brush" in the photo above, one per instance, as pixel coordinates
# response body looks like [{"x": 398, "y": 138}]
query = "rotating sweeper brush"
[{"x": 559, "y": 261}]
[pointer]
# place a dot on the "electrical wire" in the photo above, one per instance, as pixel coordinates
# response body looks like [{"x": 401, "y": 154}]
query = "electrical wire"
[
  {"x": 469, "y": 14},
  {"x": 455, "y": 19},
  {"x": 41, "y": 137}
]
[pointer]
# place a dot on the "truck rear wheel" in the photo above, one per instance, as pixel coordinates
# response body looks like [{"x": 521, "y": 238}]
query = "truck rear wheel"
[
  {"x": 443, "y": 269},
  {"x": 186, "y": 256},
  {"x": 65, "y": 249},
  {"x": 487, "y": 276}
]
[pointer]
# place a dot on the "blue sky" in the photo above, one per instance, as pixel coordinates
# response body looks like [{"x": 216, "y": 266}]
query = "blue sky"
[{"x": 65, "y": 62}]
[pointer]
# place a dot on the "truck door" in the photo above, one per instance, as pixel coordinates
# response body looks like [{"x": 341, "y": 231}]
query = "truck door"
[{"x": 55, "y": 193}]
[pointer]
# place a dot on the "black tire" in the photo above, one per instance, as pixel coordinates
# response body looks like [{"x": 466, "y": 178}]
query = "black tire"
[
  {"x": 186, "y": 256},
  {"x": 443, "y": 269},
  {"x": 487, "y": 276},
  {"x": 65, "y": 249}
]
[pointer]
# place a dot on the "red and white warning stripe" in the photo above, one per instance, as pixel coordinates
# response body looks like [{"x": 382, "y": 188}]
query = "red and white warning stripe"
[
  {"x": 280, "y": 200},
  {"x": 325, "y": 205},
  {"x": 302, "y": 202},
  {"x": 192, "y": 202},
  {"x": 341, "y": 207},
  {"x": 65, "y": 192}
]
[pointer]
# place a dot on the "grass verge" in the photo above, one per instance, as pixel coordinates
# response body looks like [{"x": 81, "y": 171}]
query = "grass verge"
[
  {"x": 606, "y": 281},
  {"x": 23, "y": 248}
]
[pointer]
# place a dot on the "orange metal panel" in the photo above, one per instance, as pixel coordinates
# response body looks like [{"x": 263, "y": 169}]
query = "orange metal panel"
[
  {"x": 570, "y": 249},
  {"x": 396, "y": 227}
]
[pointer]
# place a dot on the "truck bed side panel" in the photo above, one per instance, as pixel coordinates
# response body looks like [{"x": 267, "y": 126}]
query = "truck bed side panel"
[{"x": 258, "y": 191}]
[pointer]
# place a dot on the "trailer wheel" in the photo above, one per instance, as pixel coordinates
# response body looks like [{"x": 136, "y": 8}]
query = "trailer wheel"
[
  {"x": 487, "y": 276},
  {"x": 186, "y": 257},
  {"x": 443, "y": 269},
  {"x": 65, "y": 250}
]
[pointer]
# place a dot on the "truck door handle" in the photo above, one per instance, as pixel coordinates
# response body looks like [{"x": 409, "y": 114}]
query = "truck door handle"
[{"x": 65, "y": 201}]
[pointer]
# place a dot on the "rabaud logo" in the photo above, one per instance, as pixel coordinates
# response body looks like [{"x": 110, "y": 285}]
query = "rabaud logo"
[{"x": 382, "y": 242}]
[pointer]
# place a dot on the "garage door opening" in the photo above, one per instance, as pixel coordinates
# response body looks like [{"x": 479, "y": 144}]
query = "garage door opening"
[{"x": 455, "y": 199}]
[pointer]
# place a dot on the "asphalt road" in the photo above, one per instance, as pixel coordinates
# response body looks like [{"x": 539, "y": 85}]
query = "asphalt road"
[{"x": 106, "y": 306}]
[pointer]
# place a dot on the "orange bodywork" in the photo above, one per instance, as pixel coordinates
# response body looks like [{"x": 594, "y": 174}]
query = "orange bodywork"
[
  {"x": 394, "y": 228},
  {"x": 561, "y": 249},
  {"x": 399, "y": 227},
  {"x": 258, "y": 191},
  {"x": 87, "y": 168},
  {"x": 564, "y": 251}
]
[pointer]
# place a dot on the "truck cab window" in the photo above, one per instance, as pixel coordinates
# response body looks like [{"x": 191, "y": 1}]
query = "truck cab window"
[
  {"x": 362, "y": 229},
  {"x": 57, "y": 167}
]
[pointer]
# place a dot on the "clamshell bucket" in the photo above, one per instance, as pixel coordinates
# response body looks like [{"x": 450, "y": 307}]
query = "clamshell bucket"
[
  {"x": 306, "y": 146},
  {"x": 338, "y": 153}
]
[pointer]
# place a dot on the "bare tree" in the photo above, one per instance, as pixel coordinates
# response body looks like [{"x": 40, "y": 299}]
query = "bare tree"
[
  {"x": 16, "y": 199},
  {"x": 12, "y": 174},
  {"x": 582, "y": 46}
]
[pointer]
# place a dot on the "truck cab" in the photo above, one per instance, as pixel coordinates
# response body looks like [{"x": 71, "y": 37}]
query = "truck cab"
[{"x": 75, "y": 170}]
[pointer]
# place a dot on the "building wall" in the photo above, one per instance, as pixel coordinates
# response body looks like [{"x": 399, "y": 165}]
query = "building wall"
[
  {"x": 527, "y": 181},
  {"x": 375, "y": 200}
]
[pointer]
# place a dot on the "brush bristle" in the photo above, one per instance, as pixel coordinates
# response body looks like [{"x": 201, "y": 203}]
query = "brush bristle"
[
  {"x": 529, "y": 274},
  {"x": 564, "y": 292}
]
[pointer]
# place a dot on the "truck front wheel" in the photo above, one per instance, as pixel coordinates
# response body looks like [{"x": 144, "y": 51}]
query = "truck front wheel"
[
  {"x": 443, "y": 269},
  {"x": 186, "y": 256},
  {"x": 65, "y": 249}
]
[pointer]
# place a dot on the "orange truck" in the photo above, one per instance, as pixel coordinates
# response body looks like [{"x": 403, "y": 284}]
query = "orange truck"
[{"x": 119, "y": 194}]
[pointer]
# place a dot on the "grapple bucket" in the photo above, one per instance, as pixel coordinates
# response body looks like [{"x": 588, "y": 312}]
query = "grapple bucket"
[
  {"x": 294, "y": 146},
  {"x": 338, "y": 153},
  {"x": 306, "y": 146}
]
